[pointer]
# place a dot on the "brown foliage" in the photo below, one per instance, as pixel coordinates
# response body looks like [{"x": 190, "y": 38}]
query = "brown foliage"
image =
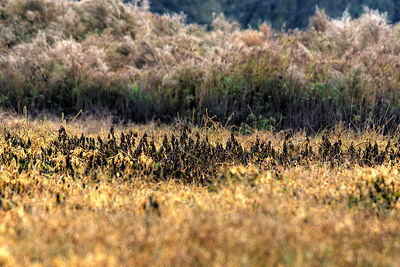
[{"x": 67, "y": 56}]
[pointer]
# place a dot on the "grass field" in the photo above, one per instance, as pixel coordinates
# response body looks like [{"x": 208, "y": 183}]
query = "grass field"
[
  {"x": 231, "y": 179},
  {"x": 87, "y": 193}
]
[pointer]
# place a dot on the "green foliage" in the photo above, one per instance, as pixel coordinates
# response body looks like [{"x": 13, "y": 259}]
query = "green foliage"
[
  {"x": 288, "y": 13},
  {"x": 197, "y": 11}
]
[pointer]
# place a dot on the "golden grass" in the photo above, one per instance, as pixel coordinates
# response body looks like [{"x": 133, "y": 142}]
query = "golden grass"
[{"x": 297, "y": 214}]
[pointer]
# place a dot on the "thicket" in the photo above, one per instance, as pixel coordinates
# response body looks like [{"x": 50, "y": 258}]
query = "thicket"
[{"x": 97, "y": 55}]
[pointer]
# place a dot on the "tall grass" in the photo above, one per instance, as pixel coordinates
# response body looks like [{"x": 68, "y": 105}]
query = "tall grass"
[
  {"x": 86, "y": 194},
  {"x": 96, "y": 55}
]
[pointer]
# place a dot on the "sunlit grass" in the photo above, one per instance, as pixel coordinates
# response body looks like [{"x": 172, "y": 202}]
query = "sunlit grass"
[{"x": 275, "y": 209}]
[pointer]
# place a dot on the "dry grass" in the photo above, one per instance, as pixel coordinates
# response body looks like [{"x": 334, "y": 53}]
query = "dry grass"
[
  {"x": 68, "y": 203},
  {"x": 297, "y": 214},
  {"x": 90, "y": 55}
]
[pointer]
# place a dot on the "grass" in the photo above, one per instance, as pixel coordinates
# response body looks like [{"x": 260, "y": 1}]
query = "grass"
[
  {"x": 199, "y": 191},
  {"x": 328, "y": 199},
  {"x": 105, "y": 55}
]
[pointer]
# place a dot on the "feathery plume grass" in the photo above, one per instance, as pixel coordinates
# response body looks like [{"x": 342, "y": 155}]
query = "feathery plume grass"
[{"x": 96, "y": 55}]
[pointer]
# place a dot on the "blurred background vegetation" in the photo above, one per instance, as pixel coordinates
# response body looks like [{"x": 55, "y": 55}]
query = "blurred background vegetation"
[
  {"x": 105, "y": 56},
  {"x": 288, "y": 14}
]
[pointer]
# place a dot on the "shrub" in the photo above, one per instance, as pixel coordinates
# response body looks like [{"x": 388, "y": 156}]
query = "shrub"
[{"x": 96, "y": 55}]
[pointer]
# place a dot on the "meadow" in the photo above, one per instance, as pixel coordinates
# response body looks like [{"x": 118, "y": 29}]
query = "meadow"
[
  {"x": 90, "y": 193},
  {"x": 134, "y": 139}
]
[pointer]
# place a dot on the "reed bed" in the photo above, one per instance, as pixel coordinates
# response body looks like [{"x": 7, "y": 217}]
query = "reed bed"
[{"x": 67, "y": 56}]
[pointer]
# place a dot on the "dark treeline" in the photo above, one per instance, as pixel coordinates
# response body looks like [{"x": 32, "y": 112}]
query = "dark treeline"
[{"x": 279, "y": 13}]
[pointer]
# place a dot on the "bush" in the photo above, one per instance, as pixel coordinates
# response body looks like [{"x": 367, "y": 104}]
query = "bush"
[{"x": 105, "y": 55}]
